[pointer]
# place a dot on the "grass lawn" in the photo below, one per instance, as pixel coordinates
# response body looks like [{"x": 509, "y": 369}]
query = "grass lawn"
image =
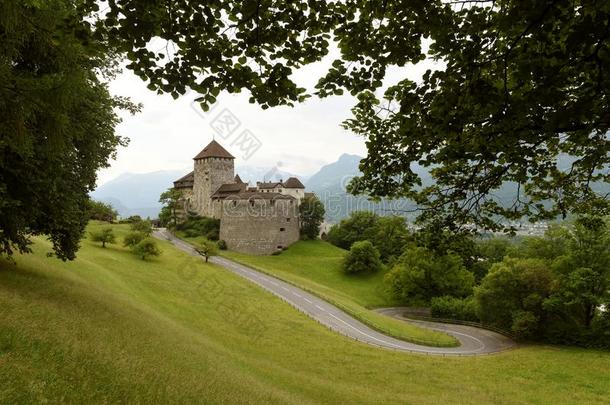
[
  {"x": 111, "y": 328},
  {"x": 316, "y": 267}
]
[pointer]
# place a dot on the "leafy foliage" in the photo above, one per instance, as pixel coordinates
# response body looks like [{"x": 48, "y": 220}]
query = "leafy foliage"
[
  {"x": 146, "y": 249},
  {"x": 362, "y": 258},
  {"x": 511, "y": 296},
  {"x": 142, "y": 226},
  {"x": 448, "y": 307},
  {"x": 521, "y": 85},
  {"x": 133, "y": 238},
  {"x": 171, "y": 200},
  {"x": 200, "y": 226},
  {"x": 207, "y": 249},
  {"x": 57, "y": 122},
  {"x": 359, "y": 226},
  {"x": 389, "y": 234},
  {"x": 101, "y": 211},
  {"x": 311, "y": 213},
  {"x": 420, "y": 275},
  {"x": 105, "y": 235}
]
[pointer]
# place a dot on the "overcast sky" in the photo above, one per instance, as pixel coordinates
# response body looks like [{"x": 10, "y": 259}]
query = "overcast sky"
[{"x": 168, "y": 133}]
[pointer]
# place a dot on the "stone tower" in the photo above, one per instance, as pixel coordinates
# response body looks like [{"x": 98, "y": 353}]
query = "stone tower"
[{"x": 214, "y": 166}]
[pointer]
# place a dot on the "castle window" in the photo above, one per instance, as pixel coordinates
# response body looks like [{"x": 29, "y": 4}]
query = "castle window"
[
  {"x": 235, "y": 203},
  {"x": 282, "y": 229},
  {"x": 252, "y": 203},
  {"x": 287, "y": 219}
]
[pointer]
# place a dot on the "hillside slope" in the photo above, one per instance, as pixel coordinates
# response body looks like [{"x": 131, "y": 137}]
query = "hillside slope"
[{"x": 110, "y": 328}]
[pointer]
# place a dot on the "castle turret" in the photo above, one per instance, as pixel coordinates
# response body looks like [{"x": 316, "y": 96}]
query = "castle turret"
[{"x": 214, "y": 166}]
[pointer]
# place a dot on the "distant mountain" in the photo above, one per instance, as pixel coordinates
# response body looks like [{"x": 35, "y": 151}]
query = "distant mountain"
[
  {"x": 137, "y": 193},
  {"x": 252, "y": 174},
  {"x": 330, "y": 185}
]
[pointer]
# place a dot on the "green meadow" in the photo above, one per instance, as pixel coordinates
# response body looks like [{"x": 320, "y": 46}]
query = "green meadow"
[
  {"x": 109, "y": 328},
  {"x": 316, "y": 267}
]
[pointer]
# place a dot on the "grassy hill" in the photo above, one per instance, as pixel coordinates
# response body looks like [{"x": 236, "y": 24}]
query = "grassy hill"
[
  {"x": 316, "y": 267},
  {"x": 111, "y": 328}
]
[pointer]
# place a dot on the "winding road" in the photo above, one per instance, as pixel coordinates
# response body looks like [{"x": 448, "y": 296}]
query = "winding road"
[{"x": 473, "y": 341}]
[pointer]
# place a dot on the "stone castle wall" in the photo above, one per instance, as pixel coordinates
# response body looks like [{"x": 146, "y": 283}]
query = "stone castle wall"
[
  {"x": 259, "y": 226},
  {"x": 210, "y": 173}
]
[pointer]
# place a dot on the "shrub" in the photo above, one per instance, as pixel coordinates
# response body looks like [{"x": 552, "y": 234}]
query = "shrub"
[
  {"x": 200, "y": 226},
  {"x": 463, "y": 309},
  {"x": 511, "y": 296},
  {"x": 142, "y": 226},
  {"x": 207, "y": 249},
  {"x": 106, "y": 235},
  {"x": 420, "y": 275},
  {"x": 363, "y": 257},
  {"x": 133, "y": 238},
  {"x": 146, "y": 248},
  {"x": 222, "y": 244},
  {"x": 359, "y": 226}
]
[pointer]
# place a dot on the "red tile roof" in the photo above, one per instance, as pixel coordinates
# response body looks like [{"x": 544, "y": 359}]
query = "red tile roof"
[{"x": 214, "y": 149}]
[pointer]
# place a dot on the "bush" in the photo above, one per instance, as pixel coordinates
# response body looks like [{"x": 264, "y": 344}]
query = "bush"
[
  {"x": 200, "y": 226},
  {"x": 463, "y": 309},
  {"x": 142, "y": 226},
  {"x": 106, "y": 235},
  {"x": 133, "y": 238},
  {"x": 419, "y": 275},
  {"x": 222, "y": 245},
  {"x": 363, "y": 257},
  {"x": 146, "y": 248},
  {"x": 207, "y": 249},
  {"x": 512, "y": 295},
  {"x": 359, "y": 226}
]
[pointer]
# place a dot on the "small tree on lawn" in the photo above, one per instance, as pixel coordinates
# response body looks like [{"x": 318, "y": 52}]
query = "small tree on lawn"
[
  {"x": 146, "y": 248},
  {"x": 106, "y": 235},
  {"x": 142, "y": 226},
  {"x": 207, "y": 249},
  {"x": 133, "y": 238},
  {"x": 363, "y": 257}
]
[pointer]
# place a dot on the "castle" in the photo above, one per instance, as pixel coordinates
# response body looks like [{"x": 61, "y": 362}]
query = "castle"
[{"x": 256, "y": 220}]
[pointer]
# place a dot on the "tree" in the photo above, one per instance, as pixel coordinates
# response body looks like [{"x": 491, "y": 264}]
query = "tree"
[
  {"x": 583, "y": 275},
  {"x": 133, "y": 238},
  {"x": 521, "y": 83},
  {"x": 390, "y": 237},
  {"x": 311, "y": 213},
  {"x": 171, "y": 203},
  {"x": 360, "y": 225},
  {"x": 57, "y": 121},
  {"x": 420, "y": 275},
  {"x": 101, "y": 211},
  {"x": 105, "y": 235},
  {"x": 512, "y": 296},
  {"x": 146, "y": 248},
  {"x": 207, "y": 249},
  {"x": 142, "y": 226},
  {"x": 362, "y": 257}
]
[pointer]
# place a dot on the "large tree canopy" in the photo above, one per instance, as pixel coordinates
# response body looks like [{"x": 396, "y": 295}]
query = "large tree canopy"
[
  {"x": 57, "y": 122},
  {"x": 525, "y": 83}
]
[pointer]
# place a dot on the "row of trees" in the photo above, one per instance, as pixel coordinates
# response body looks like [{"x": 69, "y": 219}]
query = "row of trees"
[
  {"x": 138, "y": 240},
  {"x": 554, "y": 288}
]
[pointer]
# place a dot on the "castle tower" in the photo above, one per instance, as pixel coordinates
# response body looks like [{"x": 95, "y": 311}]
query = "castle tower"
[{"x": 214, "y": 166}]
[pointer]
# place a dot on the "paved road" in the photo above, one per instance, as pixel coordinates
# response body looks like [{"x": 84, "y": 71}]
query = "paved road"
[{"x": 474, "y": 341}]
